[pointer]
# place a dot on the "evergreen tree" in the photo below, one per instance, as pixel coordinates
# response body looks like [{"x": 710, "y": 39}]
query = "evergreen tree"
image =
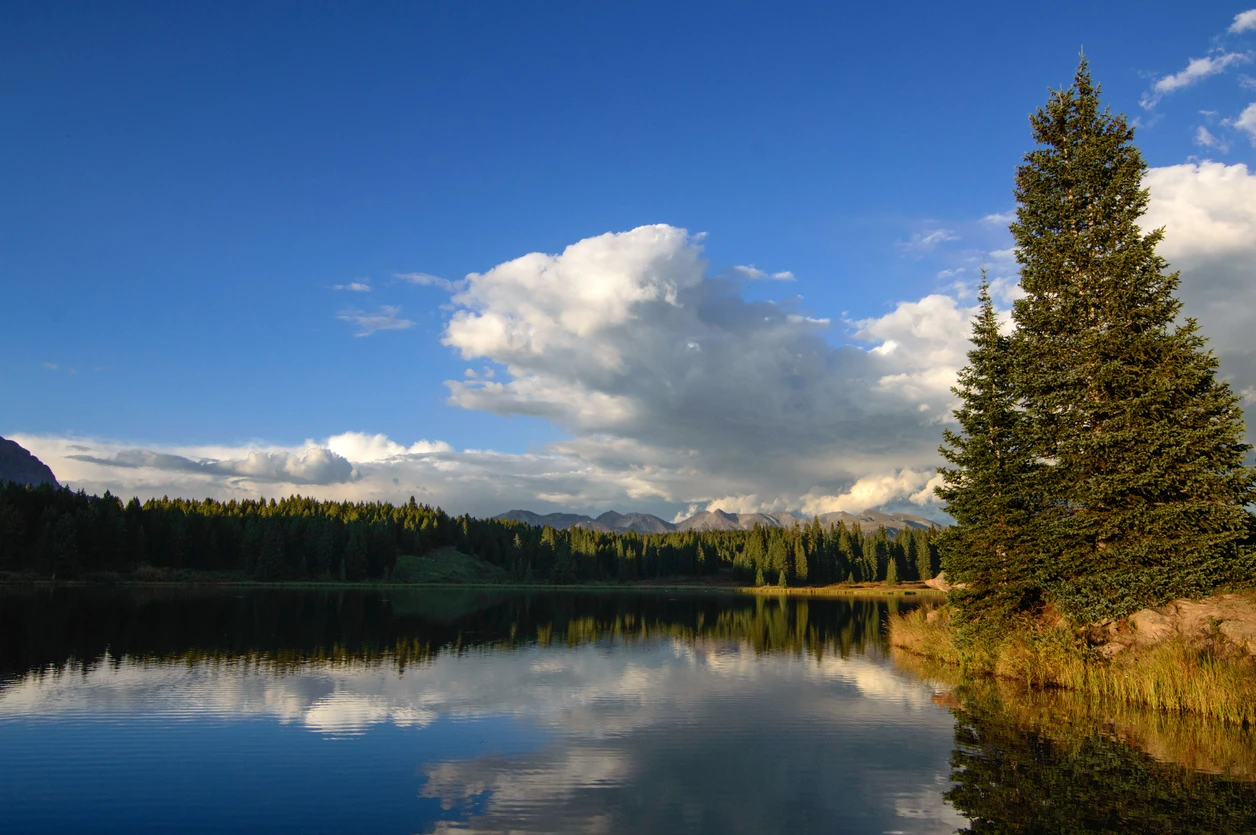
[
  {"x": 356, "y": 552},
  {"x": 1142, "y": 480},
  {"x": 270, "y": 562},
  {"x": 984, "y": 489},
  {"x": 800, "y": 562}
]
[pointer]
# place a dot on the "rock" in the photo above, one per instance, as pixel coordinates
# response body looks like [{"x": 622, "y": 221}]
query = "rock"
[
  {"x": 942, "y": 584},
  {"x": 1151, "y": 627},
  {"x": 1111, "y": 648},
  {"x": 1232, "y": 616},
  {"x": 1240, "y": 632},
  {"x": 17, "y": 464}
]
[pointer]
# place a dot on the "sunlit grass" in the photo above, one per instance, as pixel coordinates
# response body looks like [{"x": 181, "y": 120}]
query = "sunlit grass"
[{"x": 1209, "y": 677}]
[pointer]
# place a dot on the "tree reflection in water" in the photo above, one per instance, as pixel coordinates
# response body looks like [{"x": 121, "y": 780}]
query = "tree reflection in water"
[
  {"x": 1030, "y": 761},
  {"x": 1024, "y": 762}
]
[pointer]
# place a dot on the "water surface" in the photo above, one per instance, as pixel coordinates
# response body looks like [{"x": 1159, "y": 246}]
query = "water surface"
[{"x": 314, "y": 711}]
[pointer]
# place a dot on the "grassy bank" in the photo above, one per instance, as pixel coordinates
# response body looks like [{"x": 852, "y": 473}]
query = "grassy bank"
[
  {"x": 1210, "y": 676},
  {"x": 1191, "y": 740}
]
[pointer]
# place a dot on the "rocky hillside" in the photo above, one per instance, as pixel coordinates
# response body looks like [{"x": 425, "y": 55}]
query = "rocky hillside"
[
  {"x": 716, "y": 520},
  {"x": 17, "y": 464}
]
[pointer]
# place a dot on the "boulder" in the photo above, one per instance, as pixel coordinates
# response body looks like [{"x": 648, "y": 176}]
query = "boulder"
[
  {"x": 1151, "y": 627},
  {"x": 942, "y": 584},
  {"x": 1232, "y": 616},
  {"x": 1111, "y": 648}
]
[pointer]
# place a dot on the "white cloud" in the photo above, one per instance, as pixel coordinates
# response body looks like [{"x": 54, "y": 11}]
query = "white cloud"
[
  {"x": 677, "y": 392},
  {"x": 353, "y": 287},
  {"x": 1208, "y": 211},
  {"x": 387, "y": 319},
  {"x": 927, "y": 241},
  {"x": 999, "y": 218},
  {"x": 426, "y": 280},
  {"x": 1246, "y": 122},
  {"x": 1197, "y": 69},
  {"x": 360, "y": 447},
  {"x": 872, "y": 491},
  {"x": 753, "y": 273},
  {"x": 49, "y": 366},
  {"x": 1206, "y": 139},
  {"x": 928, "y": 340},
  {"x": 1243, "y": 22},
  {"x": 669, "y": 375},
  {"x": 307, "y": 466}
]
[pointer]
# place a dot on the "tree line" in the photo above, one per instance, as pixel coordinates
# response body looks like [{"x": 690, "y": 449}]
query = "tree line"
[
  {"x": 55, "y": 532},
  {"x": 1099, "y": 464},
  {"x": 55, "y": 627}
]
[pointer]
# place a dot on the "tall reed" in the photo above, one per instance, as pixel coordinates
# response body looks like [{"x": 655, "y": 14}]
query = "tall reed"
[{"x": 1208, "y": 677}]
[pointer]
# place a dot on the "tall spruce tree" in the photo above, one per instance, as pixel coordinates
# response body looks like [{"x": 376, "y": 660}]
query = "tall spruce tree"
[
  {"x": 984, "y": 489},
  {"x": 1140, "y": 448}
]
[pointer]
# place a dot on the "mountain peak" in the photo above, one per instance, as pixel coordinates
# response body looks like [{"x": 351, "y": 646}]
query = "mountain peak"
[
  {"x": 19, "y": 465},
  {"x": 716, "y": 520}
]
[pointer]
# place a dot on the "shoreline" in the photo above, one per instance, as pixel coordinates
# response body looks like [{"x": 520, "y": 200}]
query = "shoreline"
[
  {"x": 1206, "y": 674},
  {"x": 831, "y": 591}
]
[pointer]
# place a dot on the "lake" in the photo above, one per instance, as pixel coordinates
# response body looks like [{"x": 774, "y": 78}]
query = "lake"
[{"x": 405, "y": 711}]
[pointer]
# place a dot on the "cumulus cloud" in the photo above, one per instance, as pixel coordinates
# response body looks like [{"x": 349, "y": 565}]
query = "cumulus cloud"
[
  {"x": 1197, "y": 69},
  {"x": 387, "y": 319},
  {"x": 313, "y": 465},
  {"x": 361, "y": 447},
  {"x": 670, "y": 376},
  {"x": 353, "y": 287},
  {"x": 873, "y": 491},
  {"x": 1208, "y": 211},
  {"x": 1243, "y": 22},
  {"x": 677, "y": 392}
]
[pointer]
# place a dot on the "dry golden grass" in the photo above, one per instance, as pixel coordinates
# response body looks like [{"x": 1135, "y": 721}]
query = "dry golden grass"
[
  {"x": 928, "y": 633},
  {"x": 1210, "y": 678}
]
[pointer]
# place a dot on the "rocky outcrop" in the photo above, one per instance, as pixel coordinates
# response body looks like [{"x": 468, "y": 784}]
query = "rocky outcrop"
[
  {"x": 17, "y": 464},
  {"x": 1231, "y": 617}
]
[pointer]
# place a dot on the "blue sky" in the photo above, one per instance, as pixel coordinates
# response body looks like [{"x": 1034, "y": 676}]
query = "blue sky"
[{"x": 184, "y": 187}]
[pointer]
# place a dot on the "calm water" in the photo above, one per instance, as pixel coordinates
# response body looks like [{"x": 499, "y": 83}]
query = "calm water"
[{"x": 408, "y": 712}]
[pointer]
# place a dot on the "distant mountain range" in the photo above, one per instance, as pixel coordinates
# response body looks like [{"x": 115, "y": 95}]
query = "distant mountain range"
[
  {"x": 716, "y": 520},
  {"x": 17, "y": 464}
]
